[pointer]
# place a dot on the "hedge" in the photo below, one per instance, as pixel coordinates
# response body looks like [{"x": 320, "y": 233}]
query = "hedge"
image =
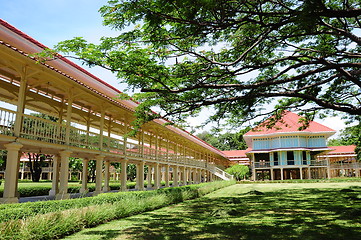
[
  {"x": 30, "y": 191},
  {"x": 55, "y": 219}
]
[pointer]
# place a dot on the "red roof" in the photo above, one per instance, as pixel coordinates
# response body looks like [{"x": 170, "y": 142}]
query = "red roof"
[
  {"x": 343, "y": 149},
  {"x": 236, "y": 153},
  {"x": 290, "y": 122}
]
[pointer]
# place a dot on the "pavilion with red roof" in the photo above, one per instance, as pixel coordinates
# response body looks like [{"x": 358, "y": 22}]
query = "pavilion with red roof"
[{"x": 288, "y": 150}]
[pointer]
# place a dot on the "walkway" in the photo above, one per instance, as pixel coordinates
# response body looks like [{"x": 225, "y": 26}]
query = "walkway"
[{"x": 62, "y": 110}]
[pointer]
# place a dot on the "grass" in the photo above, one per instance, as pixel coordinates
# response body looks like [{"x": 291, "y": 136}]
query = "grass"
[
  {"x": 28, "y": 188},
  {"x": 307, "y": 211},
  {"x": 55, "y": 219}
]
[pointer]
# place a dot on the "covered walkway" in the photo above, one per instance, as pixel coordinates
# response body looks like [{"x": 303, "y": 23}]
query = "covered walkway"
[{"x": 62, "y": 110}]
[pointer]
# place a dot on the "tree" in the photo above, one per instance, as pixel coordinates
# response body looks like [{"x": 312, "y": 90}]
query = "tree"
[
  {"x": 3, "y": 157},
  {"x": 36, "y": 164},
  {"x": 75, "y": 166},
  {"x": 238, "y": 171},
  {"x": 236, "y": 56},
  {"x": 349, "y": 136},
  {"x": 225, "y": 141}
]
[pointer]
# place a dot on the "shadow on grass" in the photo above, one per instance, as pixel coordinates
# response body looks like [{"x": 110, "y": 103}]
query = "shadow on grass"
[{"x": 287, "y": 214}]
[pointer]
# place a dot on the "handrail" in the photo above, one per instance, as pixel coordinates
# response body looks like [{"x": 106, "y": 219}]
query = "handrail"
[{"x": 39, "y": 129}]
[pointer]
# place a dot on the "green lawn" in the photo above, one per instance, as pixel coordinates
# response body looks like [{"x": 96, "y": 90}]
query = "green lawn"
[{"x": 249, "y": 211}]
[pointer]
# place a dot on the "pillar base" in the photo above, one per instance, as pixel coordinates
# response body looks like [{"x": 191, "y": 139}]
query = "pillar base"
[
  {"x": 9, "y": 200},
  {"x": 62, "y": 196},
  {"x": 97, "y": 192},
  {"x": 83, "y": 190},
  {"x": 52, "y": 192}
]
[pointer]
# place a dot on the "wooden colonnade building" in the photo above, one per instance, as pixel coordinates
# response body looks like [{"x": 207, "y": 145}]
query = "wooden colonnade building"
[{"x": 89, "y": 122}]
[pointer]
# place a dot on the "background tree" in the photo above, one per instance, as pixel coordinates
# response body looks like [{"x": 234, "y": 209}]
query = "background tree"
[
  {"x": 225, "y": 141},
  {"x": 236, "y": 56},
  {"x": 3, "y": 156},
  {"x": 349, "y": 136},
  {"x": 75, "y": 166},
  {"x": 131, "y": 172},
  {"x": 238, "y": 171},
  {"x": 36, "y": 163}
]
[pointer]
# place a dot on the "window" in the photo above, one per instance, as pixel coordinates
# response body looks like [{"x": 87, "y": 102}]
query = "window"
[
  {"x": 290, "y": 158},
  {"x": 304, "y": 158},
  {"x": 275, "y": 158}
]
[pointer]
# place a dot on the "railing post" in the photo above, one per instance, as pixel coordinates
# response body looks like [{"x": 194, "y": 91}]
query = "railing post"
[
  {"x": 20, "y": 104},
  {"x": 101, "y": 129},
  {"x": 68, "y": 119}
]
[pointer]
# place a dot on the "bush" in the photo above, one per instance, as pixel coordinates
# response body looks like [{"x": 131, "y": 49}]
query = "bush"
[
  {"x": 54, "y": 219},
  {"x": 30, "y": 191}
]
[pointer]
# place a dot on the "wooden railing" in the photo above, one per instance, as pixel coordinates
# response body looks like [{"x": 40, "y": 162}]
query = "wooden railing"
[
  {"x": 44, "y": 130},
  {"x": 309, "y": 163},
  {"x": 7, "y": 121},
  {"x": 346, "y": 165}
]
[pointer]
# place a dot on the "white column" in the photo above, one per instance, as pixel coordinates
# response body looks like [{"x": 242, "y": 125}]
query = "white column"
[
  {"x": 84, "y": 176},
  {"x": 140, "y": 176},
  {"x": 149, "y": 177},
  {"x": 106, "y": 187},
  {"x": 175, "y": 176},
  {"x": 20, "y": 104},
  {"x": 156, "y": 176},
  {"x": 162, "y": 173},
  {"x": 68, "y": 119},
  {"x": 301, "y": 174},
  {"x": 184, "y": 176},
  {"x": 98, "y": 174},
  {"x": 199, "y": 175},
  {"x": 123, "y": 176},
  {"x": 11, "y": 173},
  {"x": 63, "y": 177},
  {"x": 55, "y": 181},
  {"x": 167, "y": 175}
]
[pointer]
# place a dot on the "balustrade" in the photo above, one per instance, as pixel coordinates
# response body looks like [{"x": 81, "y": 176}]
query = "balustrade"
[
  {"x": 7, "y": 120},
  {"x": 36, "y": 128}
]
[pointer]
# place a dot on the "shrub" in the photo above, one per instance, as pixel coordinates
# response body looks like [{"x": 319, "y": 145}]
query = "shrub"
[{"x": 54, "y": 219}]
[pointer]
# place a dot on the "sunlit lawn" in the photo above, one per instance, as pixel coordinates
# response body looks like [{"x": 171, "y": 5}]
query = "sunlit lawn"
[{"x": 249, "y": 211}]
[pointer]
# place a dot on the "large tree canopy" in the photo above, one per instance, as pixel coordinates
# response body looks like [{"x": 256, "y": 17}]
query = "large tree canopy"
[{"x": 235, "y": 56}]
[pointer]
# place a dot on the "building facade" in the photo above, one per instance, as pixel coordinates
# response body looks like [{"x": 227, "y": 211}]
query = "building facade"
[
  {"x": 87, "y": 120},
  {"x": 287, "y": 151}
]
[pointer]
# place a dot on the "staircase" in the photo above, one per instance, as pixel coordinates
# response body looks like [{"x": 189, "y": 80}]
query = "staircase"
[{"x": 221, "y": 174}]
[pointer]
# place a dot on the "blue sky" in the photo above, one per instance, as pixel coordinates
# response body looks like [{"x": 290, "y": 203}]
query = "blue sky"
[{"x": 51, "y": 21}]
